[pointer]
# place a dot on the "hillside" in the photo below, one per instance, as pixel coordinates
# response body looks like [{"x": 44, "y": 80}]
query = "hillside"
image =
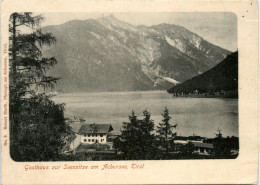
[
  {"x": 223, "y": 76},
  {"x": 110, "y": 55}
]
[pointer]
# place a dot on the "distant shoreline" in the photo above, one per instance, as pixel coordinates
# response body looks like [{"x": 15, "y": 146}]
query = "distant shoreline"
[
  {"x": 131, "y": 91},
  {"x": 149, "y": 91},
  {"x": 203, "y": 96}
]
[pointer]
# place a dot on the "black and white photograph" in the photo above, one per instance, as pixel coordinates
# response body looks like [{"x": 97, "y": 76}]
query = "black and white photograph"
[{"x": 123, "y": 86}]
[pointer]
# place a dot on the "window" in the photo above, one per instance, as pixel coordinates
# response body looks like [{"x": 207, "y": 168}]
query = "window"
[
  {"x": 96, "y": 135},
  {"x": 102, "y": 140},
  {"x": 89, "y": 140},
  {"x": 101, "y": 135},
  {"x": 93, "y": 140},
  {"x": 85, "y": 135},
  {"x": 85, "y": 140},
  {"x": 89, "y": 135}
]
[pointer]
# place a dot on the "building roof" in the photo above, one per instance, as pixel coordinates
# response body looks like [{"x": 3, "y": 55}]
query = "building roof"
[
  {"x": 95, "y": 129},
  {"x": 204, "y": 145},
  {"x": 188, "y": 138}
]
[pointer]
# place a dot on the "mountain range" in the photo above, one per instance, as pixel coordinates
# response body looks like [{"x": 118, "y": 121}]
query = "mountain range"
[
  {"x": 108, "y": 54},
  {"x": 224, "y": 76}
]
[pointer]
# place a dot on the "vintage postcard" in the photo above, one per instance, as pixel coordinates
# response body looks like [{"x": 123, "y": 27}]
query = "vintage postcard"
[{"x": 129, "y": 92}]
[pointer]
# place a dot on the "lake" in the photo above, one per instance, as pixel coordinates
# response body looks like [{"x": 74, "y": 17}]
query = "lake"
[{"x": 198, "y": 116}]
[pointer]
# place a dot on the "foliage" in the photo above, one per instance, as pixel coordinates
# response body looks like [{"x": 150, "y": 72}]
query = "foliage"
[
  {"x": 137, "y": 141},
  {"x": 116, "y": 145},
  {"x": 37, "y": 128},
  {"x": 222, "y": 148},
  {"x": 187, "y": 150},
  {"x": 99, "y": 146},
  {"x": 165, "y": 133}
]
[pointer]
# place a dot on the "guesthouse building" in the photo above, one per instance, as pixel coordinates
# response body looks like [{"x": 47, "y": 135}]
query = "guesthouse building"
[{"x": 95, "y": 133}]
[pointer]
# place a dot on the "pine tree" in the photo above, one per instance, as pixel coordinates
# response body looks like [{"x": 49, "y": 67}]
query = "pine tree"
[
  {"x": 165, "y": 133},
  {"x": 37, "y": 128},
  {"x": 129, "y": 138},
  {"x": 221, "y": 148},
  {"x": 137, "y": 141},
  {"x": 147, "y": 139}
]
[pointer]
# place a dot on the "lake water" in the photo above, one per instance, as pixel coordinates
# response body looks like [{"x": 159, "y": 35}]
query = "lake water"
[{"x": 199, "y": 116}]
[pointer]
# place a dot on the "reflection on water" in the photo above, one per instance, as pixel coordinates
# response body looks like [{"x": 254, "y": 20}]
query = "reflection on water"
[{"x": 199, "y": 116}]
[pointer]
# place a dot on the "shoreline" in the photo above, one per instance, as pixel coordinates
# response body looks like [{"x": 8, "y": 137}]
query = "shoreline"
[{"x": 150, "y": 91}]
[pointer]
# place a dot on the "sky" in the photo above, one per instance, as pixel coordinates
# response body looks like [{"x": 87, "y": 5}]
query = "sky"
[{"x": 218, "y": 28}]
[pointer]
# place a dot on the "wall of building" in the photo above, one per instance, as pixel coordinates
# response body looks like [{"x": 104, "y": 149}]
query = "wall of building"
[
  {"x": 180, "y": 142},
  {"x": 202, "y": 151},
  {"x": 187, "y": 141},
  {"x": 93, "y": 138}
]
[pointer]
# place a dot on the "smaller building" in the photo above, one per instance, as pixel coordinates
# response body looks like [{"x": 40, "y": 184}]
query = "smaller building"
[
  {"x": 203, "y": 148},
  {"x": 185, "y": 140}
]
